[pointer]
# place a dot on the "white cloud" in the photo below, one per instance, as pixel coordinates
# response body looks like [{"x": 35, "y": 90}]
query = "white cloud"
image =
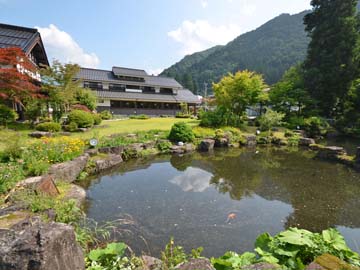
[
  {"x": 154, "y": 71},
  {"x": 247, "y": 8},
  {"x": 200, "y": 34},
  {"x": 193, "y": 179},
  {"x": 204, "y": 3},
  {"x": 61, "y": 46}
]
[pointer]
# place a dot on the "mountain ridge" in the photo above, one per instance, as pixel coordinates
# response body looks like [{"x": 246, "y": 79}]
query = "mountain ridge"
[{"x": 270, "y": 49}]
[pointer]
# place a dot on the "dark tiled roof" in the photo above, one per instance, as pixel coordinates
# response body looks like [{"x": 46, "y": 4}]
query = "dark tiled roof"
[
  {"x": 25, "y": 38},
  {"x": 108, "y": 76},
  {"x": 183, "y": 95},
  {"x": 22, "y": 37},
  {"x": 186, "y": 95},
  {"x": 129, "y": 72}
]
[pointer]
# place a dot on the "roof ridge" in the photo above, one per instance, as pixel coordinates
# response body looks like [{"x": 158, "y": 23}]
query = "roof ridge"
[
  {"x": 95, "y": 69},
  {"x": 16, "y": 27},
  {"x": 129, "y": 68}
]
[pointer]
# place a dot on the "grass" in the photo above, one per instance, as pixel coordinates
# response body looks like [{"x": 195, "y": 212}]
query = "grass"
[{"x": 105, "y": 129}]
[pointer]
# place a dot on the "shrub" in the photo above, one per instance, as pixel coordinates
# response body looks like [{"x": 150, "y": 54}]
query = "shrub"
[
  {"x": 71, "y": 127},
  {"x": 295, "y": 122},
  {"x": 220, "y": 117},
  {"x": 35, "y": 167},
  {"x": 164, "y": 146},
  {"x": 270, "y": 120},
  {"x": 182, "y": 115},
  {"x": 316, "y": 126},
  {"x": 80, "y": 108},
  {"x": 106, "y": 115},
  {"x": 181, "y": 132},
  {"x": 97, "y": 119},
  {"x": 203, "y": 132},
  {"x": 49, "y": 127},
  {"x": 211, "y": 118},
  {"x": 140, "y": 117},
  {"x": 10, "y": 174},
  {"x": 7, "y": 115},
  {"x": 81, "y": 118}
]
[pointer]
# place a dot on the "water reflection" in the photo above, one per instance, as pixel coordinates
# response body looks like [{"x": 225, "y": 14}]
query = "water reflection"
[
  {"x": 193, "y": 179},
  {"x": 189, "y": 197}
]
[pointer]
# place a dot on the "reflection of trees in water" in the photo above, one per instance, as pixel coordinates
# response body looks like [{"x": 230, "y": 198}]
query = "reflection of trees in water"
[{"x": 320, "y": 192}]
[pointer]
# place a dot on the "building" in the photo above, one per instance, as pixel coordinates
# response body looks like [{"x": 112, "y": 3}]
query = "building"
[
  {"x": 127, "y": 91},
  {"x": 28, "y": 39}
]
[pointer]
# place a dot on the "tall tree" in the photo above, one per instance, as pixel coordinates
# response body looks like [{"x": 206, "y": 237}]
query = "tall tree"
[
  {"x": 238, "y": 91},
  {"x": 17, "y": 76},
  {"x": 64, "y": 90},
  {"x": 330, "y": 67},
  {"x": 289, "y": 93}
]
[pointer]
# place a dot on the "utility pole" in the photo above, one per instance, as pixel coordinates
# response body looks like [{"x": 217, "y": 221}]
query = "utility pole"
[{"x": 205, "y": 95}]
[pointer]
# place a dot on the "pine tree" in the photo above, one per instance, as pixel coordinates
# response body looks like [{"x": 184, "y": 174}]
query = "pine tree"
[{"x": 330, "y": 67}]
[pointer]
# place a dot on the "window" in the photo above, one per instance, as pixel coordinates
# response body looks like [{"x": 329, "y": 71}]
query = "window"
[
  {"x": 167, "y": 91},
  {"x": 93, "y": 85},
  {"x": 149, "y": 90},
  {"x": 117, "y": 87},
  {"x": 131, "y": 79}
]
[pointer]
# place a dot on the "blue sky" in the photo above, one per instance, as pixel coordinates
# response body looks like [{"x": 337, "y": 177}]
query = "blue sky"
[{"x": 139, "y": 33}]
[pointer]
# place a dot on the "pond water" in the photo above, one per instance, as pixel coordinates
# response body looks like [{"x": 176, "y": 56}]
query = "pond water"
[{"x": 190, "y": 197}]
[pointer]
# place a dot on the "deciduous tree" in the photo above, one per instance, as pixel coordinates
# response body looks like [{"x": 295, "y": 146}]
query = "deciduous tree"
[
  {"x": 238, "y": 91},
  {"x": 17, "y": 76}
]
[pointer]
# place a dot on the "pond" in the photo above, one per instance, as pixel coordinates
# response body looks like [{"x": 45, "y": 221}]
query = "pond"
[{"x": 222, "y": 201}]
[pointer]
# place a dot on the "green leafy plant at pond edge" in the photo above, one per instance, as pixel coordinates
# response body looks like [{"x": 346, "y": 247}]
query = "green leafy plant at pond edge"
[
  {"x": 291, "y": 249},
  {"x": 112, "y": 257}
]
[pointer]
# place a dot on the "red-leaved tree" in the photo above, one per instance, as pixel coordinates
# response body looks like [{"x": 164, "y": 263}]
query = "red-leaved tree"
[{"x": 16, "y": 76}]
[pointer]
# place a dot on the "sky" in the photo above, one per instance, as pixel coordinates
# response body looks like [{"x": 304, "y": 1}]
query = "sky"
[{"x": 144, "y": 34}]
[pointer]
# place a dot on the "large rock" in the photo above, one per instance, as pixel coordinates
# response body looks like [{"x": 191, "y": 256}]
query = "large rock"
[
  {"x": 330, "y": 262},
  {"x": 222, "y": 142},
  {"x": 109, "y": 162},
  {"x": 76, "y": 193},
  {"x": 177, "y": 149},
  {"x": 250, "y": 140},
  {"x": 151, "y": 263},
  {"x": 70, "y": 170},
  {"x": 207, "y": 145},
  {"x": 39, "y": 184},
  {"x": 306, "y": 141},
  {"x": 196, "y": 264},
  {"x": 262, "y": 266},
  {"x": 330, "y": 152},
  {"x": 189, "y": 147},
  {"x": 35, "y": 245},
  {"x": 40, "y": 134},
  {"x": 116, "y": 150}
]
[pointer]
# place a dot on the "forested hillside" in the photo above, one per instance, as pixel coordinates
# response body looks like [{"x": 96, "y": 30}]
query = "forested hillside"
[{"x": 271, "y": 50}]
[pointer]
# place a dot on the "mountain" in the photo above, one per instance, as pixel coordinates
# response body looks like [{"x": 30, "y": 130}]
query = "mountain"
[{"x": 271, "y": 49}]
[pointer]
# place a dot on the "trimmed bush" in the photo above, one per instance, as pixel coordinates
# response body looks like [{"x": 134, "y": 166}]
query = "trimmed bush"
[
  {"x": 181, "y": 132},
  {"x": 106, "y": 115},
  {"x": 7, "y": 115},
  {"x": 81, "y": 118},
  {"x": 71, "y": 127},
  {"x": 97, "y": 119},
  {"x": 316, "y": 126},
  {"x": 140, "y": 117},
  {"x": 182, "y": 115},
  {"x": 49, "y": 127}
]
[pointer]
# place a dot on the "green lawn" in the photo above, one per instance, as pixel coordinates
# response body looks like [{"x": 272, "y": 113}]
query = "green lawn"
[{"x": 105, "y": 129}]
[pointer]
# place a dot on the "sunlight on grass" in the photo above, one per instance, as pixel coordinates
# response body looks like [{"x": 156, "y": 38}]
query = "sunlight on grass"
[{"x": 105, "y": 129}]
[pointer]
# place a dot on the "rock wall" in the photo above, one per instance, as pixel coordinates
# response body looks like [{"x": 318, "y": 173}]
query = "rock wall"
[{"x": 35, "y": 245}]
